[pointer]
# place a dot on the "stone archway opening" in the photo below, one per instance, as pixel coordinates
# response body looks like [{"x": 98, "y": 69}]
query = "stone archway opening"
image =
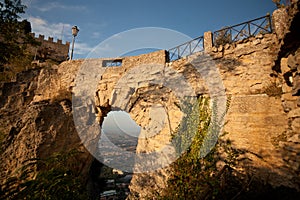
[
  {"x": 121, "y": 130},
  {"x": 123, "y": 133}
]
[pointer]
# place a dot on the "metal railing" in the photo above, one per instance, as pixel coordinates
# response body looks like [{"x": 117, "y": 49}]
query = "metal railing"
[
  {"x": 186, "y": 49},
  {"x": 243, "y": 30},
  {"x": 223, "y": 36}
]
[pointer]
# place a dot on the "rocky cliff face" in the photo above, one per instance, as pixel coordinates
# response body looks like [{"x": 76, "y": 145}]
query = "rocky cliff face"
[
  {"x": 288, "y": 74},
  {"x": 36, "y": 118}
]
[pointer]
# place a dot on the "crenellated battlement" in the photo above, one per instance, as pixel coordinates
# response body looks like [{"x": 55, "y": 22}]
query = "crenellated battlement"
[{"x": 41, "y": 38}]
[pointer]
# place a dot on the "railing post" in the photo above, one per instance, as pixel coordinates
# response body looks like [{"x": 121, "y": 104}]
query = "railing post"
[
  {"x": 249, "y": 30},
  {"x": 208, "y": 41},
  {"x": 270, "y": 22}
]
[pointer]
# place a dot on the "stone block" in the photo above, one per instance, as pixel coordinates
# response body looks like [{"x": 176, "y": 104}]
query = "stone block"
[
  {"x": 296, "y": 125},
  {"x": 256, "y": 42},
  {"x": 296, "y": 85},
  {"x": 259, "y": 36},
  {"x": 292, "y": 62},
  {"x": 297, "y": 59},
  {"x": 286, "y": 88},
  {"x": 294, "y": 113},
  {"x": 292, "y": 148},
  {"x": 295, "y": 138},
  {"x": 247, "y": 61},
  {"x": 284, "y": 66},
  {"x": 218, "y": 55},
  {"x": 288, "y": 97},
  {"x": 226, "y": 46},
  {"x": 220, "y": 48},
  {"x": 215, "y": 49},
  {"x": 289, "y": 105},
  {"x": 295, "y": 166}
]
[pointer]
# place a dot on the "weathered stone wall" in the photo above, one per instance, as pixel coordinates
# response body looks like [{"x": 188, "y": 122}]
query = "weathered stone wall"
[{"x": 255, "y": 117}]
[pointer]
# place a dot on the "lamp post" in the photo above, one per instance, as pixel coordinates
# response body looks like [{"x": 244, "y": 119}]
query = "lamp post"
[{"x": 75, "y": 31}]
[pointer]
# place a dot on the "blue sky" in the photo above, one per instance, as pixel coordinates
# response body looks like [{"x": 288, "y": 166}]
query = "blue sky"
[{"x": 101, "y": 19}]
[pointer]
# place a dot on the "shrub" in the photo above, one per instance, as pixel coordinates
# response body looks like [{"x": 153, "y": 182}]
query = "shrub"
[
  {"x": 56, "y": 179},
  {"x": 222, "y": 37},
  {"x": 194, "y": 176}
]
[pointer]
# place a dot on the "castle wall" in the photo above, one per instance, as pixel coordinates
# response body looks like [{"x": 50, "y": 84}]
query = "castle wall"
[{"x": 50, "y": 49}]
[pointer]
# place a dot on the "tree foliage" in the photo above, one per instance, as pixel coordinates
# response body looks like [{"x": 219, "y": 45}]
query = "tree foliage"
[
  {"x": 9, "y": 28},
  {"x": 14, "y": 39},
  {"x": 13, "y": 33},
  {"x": 10, "y": 10}
]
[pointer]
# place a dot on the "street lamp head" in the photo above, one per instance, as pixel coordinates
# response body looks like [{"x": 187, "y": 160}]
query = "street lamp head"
[{"x": 75, "y": 31}]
